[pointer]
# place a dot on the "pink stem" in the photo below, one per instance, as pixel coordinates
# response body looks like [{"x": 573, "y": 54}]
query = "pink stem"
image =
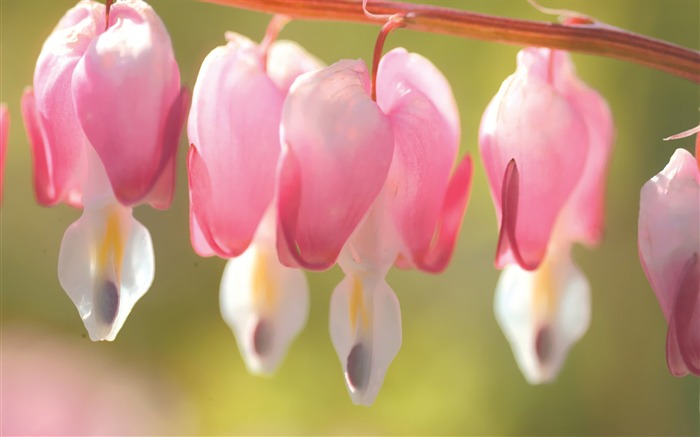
[
  {"x": 276, "y": 25},
  {"x": 393, "y": 23}
]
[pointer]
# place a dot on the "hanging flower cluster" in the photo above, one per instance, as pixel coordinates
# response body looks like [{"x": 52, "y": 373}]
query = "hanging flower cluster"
[
  {"x": 293, "y": 161},
  {"x": 293, "y": 165},
  {"x": 104, "y": 119}
]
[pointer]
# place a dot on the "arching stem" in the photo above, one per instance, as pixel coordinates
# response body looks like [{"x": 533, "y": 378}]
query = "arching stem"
[{"x": 595, "y": 39}]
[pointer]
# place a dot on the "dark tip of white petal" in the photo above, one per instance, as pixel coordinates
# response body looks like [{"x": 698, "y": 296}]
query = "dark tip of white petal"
[
  {"x": 262, "y": 337},
  {"x": 107, "y": 303},
  {"x": 544, "y": 346},
  {"x": 357, "y": 373}
]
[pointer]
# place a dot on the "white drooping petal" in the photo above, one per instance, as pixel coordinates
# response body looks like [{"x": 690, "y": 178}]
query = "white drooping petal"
[
  {"x": 105, "y": 265},
  {"x": 264, "y": 303},
  {"x": 365, "y": 325},
  {"x": 543, "y": 313}
]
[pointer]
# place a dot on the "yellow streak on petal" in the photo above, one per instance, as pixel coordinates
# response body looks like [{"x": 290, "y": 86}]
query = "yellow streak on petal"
[
  {"x": 112, "y": 247},
  {"x": 357, "y": 304},
  {"x": 545, "y": 291},
  {"x": 263, "y": 284}
]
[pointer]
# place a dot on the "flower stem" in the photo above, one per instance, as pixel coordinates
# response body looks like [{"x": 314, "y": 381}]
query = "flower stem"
[
  {"x": 108, "y": 5},
  {"x": 391, "y": 24},
  {"x": 276, "y": 25},
  {"x": 595, "y": 39}
]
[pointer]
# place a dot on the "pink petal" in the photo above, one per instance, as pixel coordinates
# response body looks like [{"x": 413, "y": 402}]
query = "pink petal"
[
  {"x": 426, "y": 205},
  {"x": 532, "y": 122},
  {"x": 56, "y": 137},
  {"x": 337, "y": 149},
  {"x": 674, "y": 359},
  {"x": 161, "y": 194},
  {"x": 204, "y": 241},
  {"x": 124, "y": 89},
  {"x": 401, "y": 72},
  {"x": 584, "y": 213},
  {"x": 4, "y": 128},
  {"x": 234, "y": 126},
  {"x": 683, "y": 340},
  {"x": 669, "y": 235}
]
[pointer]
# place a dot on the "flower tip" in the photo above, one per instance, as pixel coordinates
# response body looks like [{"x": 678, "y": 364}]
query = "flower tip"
[{"x": 683, "y": 337}]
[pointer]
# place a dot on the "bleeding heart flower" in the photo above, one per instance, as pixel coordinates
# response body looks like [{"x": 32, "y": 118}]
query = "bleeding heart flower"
[
  {"x": 416, "y": 215},
  {"x": 669, "y": 249},
  {"x": 234, "y": 130},
  {"x": 545, "y": 141},
  {"x": 4, "y": 130},
  {"x": 104, "y": 119}
]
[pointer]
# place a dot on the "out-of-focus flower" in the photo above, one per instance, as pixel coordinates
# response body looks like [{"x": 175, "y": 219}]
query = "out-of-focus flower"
[
  {"x": 370, "y": 182},
  {"x": 669, "y": 249},
  {"x": 545, "y": 141},
  {"x": 4, "y": 130},
  {"x": 234, "y": 130},
  {"x": 54, "y": 386},
  {"x": 104, "y": 119}
]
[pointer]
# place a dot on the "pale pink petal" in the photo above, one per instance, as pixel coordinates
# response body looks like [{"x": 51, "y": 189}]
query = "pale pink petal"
[
  {"x": 674, "y": 359},
  {"x": 669, "y": 244},
  {"x": 234, "y": 129},
  {"x": 669, "y": 235},
  {"x": 337, "y": 148},
  {"x": 4, "y": 130},
  {"x": 424, "y": 117},
  {"x": 124, "y": 89},
  {"x": 584, "y": 213},
  {"x": 374, "y": 245},
  {"x": 683, "y": 340},
  {"x": 286, "y": 60},
  {"x": 203, "y": 240},
  {"x": 365, "y": 325},
  {"x": 533, "y": 123},
  {"x": 162, "y": 191},
  {"x": 542, "y": 314},
  {"x": 401, "y": 72},
  {"x": 56, "y": 137}
]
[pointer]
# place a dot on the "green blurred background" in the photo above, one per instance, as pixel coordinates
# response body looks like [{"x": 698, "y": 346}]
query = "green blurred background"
[{"x": 455, "y": 373}]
